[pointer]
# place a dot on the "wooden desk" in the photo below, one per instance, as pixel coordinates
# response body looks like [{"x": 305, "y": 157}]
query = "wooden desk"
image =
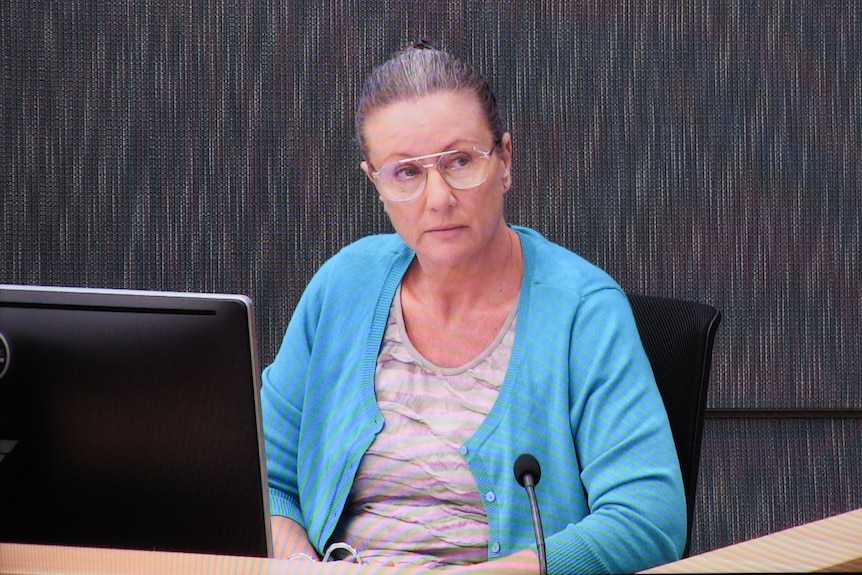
[
  {"x": 18, "y": 559},
  {"x": 829, "y": 545},
  {"x": 833, "y": 544}
]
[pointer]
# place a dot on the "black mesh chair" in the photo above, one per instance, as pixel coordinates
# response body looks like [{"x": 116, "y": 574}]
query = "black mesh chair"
[{"x": 678, "y": 337}]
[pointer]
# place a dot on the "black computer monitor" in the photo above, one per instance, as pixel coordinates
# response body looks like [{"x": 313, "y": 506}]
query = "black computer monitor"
[{"x": 131, "y": 420}]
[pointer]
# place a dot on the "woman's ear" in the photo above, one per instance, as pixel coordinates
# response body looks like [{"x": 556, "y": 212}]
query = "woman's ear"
[
  {"x": 366, "y": 167},
  {"x": 506, "y": 156}
]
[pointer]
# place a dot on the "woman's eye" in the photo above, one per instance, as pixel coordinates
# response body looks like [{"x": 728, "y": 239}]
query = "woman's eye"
[
  {"x": 458, "y": 161},
  {"x": 406, "y": 172}
]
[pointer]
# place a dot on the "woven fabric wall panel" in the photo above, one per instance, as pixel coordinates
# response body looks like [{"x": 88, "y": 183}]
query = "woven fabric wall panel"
[
  {"x": 701, "y": 150},
  {"x": 758, "y": 476}
]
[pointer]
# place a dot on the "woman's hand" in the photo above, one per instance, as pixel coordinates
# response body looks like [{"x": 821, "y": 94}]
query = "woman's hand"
[
  {"x": 524, "y": 562},
  {"x": 289, "y": 537}
]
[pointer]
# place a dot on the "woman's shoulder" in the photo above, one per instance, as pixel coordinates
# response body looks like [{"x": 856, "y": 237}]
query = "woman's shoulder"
[
  {"x": 368, "y": 260},
  {"x": 370, "y": 250},
  {"x": 374, "y": 246},
  {"x": 552, "y": 264}
]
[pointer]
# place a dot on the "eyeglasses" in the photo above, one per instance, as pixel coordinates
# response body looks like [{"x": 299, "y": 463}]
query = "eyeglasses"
[{"x": 405, "y": 179}]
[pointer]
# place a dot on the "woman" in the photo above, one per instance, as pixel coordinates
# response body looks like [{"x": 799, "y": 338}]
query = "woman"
[{"x": 418, "y": 365}]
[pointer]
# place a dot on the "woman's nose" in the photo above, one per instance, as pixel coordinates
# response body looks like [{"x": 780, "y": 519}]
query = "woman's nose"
[{"x": 437, "y": 190}]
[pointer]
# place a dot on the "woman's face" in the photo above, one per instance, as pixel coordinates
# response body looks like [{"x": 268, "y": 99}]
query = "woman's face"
[{"x": 444, "y": 226}]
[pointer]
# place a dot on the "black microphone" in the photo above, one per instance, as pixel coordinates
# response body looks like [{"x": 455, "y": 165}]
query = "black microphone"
[{"x": 528, "y": 472}]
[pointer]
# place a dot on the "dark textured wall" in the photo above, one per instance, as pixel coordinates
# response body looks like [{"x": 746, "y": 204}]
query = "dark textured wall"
[{"x": 703, "y": 150}]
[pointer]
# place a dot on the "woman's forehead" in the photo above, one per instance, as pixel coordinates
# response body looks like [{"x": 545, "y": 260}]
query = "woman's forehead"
[{"x": 416, "y": 126}]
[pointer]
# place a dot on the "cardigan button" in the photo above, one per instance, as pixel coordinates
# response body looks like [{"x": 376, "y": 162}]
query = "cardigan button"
[
  {"x": 490, "y": 497},
  {"x": 494, "y": 546},
  {"x": 463, "y": 450}
]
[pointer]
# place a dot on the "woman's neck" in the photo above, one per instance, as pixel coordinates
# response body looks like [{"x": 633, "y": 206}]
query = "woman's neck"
[{"x": 489, "y": 280}]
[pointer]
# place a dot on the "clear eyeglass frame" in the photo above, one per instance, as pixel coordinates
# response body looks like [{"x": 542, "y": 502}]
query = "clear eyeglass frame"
[{"x": 386, "y": 183}]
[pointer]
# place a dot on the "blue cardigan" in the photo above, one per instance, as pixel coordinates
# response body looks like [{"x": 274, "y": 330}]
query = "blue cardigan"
[{"x": 579, "y": 394}]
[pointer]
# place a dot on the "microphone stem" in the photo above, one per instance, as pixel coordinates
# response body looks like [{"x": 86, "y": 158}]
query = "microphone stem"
[{"x": 537, "y": 524}]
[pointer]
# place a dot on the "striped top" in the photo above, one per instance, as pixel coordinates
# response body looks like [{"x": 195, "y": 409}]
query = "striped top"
[{"x": 414, "y": 500}]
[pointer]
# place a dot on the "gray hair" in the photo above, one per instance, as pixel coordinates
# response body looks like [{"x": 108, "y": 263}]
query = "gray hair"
[{"x": 420, "y": 70}]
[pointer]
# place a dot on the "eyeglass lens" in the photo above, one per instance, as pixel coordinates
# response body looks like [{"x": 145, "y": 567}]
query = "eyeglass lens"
[{"x": 461, "y": 169}]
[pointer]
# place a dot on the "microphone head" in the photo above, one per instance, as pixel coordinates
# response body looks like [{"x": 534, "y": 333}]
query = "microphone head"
[{"x": 525, "y": 465}]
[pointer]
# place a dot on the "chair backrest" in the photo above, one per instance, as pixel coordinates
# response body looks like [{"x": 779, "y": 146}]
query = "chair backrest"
[{"x": 678, "y": 337}]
